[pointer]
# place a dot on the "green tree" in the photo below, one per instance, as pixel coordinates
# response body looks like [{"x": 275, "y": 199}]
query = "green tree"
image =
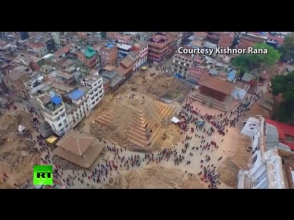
[
  {"x": 287, "y": 49},
  {"x": 249, "y": 62},
  {"x": 284, "y": 85}
]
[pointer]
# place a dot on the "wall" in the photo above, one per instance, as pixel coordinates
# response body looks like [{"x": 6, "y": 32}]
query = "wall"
[
  {"x": 251, "y": 128},
  {"x": 238, "y": 94},
  {"x": 211, "y": 93},
  {"x": 59, "y": 122}
]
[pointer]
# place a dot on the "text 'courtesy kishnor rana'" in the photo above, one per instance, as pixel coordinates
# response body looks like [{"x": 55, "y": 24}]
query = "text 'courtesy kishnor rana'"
[{"x": 221, "y": 50}]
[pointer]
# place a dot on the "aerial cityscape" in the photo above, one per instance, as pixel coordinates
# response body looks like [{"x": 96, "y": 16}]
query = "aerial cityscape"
[{"x": 146, "y": 110}]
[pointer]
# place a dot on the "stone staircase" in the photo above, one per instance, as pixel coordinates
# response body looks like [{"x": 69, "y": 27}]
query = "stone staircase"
[
  {"x": 152, "y": 115},
  {"x": 138, "y": 131},
  {"x": 106, "y": 118},
  {"x": 222, "y": 106},
  {"x": 164, "y": 111}
]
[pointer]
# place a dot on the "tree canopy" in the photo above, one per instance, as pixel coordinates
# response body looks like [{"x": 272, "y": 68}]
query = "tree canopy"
[
  {"x": 249, "y": 62},
  {"x": 284, "y": 85},
  {"x": 287, "y": 49}
]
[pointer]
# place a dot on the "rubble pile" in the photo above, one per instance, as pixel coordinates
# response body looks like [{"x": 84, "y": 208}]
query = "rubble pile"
[
  {"x": 154, "y": 178},
  {"x": 167, "y": 86},
  {"x": 228, "y": 172},
  {"x": 10, "y": 123}
]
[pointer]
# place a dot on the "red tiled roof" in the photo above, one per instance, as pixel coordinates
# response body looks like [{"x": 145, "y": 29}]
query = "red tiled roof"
[
  {"x": 283, "y": 129},
  {"x": 226, "y": 40},
  {"x": 62, "y": 51}
]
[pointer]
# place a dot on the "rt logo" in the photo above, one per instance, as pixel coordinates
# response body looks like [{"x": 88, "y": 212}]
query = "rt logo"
[{"x": 43, "y": 175}]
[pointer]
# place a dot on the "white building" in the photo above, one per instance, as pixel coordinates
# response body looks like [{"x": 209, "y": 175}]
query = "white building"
[
  {"x": 268, "y": 169},
  {"x": 181, "y": 64},
  {"x": 56, "y": 37},
  {"x": 64, "y": 106}
]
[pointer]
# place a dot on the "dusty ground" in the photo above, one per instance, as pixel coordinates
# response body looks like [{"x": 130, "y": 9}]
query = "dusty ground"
[
  {"x": 17, "y": 156},
  {"x": 166, "y": 175},
  {"x": 154, "y": 177},
  {"x": 159, "y": 85},
  {"x": 154, "y": 87}
]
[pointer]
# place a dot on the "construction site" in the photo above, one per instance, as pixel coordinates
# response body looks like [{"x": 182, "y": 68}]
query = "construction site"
[
  {"x": 138, "y": 115},
  {"x": 17, "y": 152}
]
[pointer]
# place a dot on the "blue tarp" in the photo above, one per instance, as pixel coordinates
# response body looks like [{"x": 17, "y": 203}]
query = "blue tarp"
[
  {"x": 201, "y": 123},
  {"x": 179, "y": 76},
  {"x": 76, "y": 94},
  {"x": 56, "y": 100},
  {"x": 231, "y": 75}
]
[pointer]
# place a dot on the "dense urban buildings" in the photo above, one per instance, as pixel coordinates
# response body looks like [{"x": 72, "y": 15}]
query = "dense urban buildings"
[{"x": 124, "y": 109}]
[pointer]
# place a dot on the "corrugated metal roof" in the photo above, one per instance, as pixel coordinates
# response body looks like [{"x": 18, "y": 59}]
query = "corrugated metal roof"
[
  {"x": 209, "y": 45},
  {"x": 247, "y": 77},
  {"x": 213, "y": 72},
  {"x": 272, "y": 137}
]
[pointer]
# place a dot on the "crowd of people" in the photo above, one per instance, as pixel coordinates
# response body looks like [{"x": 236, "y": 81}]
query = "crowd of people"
[{"x": 121, "y": 159}]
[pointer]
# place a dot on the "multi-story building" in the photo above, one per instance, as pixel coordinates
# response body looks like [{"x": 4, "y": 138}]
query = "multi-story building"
[
  {"x": 160, "y": 47},
  {"x": 119, "y": 37},
  {"x": 62, "y": 53},
  {"x": 108, "y": 55},
  {"x": 15, "y": 78},
  {"x": 24, "y": 35},
  {"x": 181, "y": 64},
  {"x": 123, "y": 50},
  {"x": 142, "y": 48},
  {"x": 89, "y": 57},
  {"x": 249, "y": 39},
  {"x": 226, "y": 39},
  {"x": 213, "y": 37},
  {"x": 128, "y": 65},
  {"x": 272, "y": 159},
  {"x": 195, "y": 73},
  {"x": 64, "y": 106},
  {"x": 38, "y": 48},
  {"x": 56, "y": 37}
]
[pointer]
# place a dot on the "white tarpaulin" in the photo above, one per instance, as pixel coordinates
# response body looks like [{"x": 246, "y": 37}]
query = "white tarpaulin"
[
  {"x": 175, "y": 120},
  {"x": 21, "y": 128}
]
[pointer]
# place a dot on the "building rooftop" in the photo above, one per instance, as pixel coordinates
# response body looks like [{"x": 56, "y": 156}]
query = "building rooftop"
[
  {"x": 285, "y": 132},
  {"x": 115, "y": 80},
  {"x": 124, "y": 46},
  {"x": 159, "y": 39},
  {"x": 61, "y": 51},
  {"x": 81, "y": 149},
  {"x": 19, "y": 72},
  {"x": 76, "y": 94},
  {"x": 109, "y": 74},
  {"x": 109, "y": 68},
  {"x": 89, "y": 52},
  {"x": 217, "y": 85},
  {"x": 58, "y": 73},
  {"x": 127, "y": 62}
]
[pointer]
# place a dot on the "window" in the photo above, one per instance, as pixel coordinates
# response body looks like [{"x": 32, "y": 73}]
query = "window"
[
  {"x": 254, "y": 159},
  {"x": 64, "y": 121},
  {"x": 66, "y": 125},
  {"x": 60, "y": 124},
  {"x": 63, "y": 115},
  {"x": 58, "y": 118}
]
